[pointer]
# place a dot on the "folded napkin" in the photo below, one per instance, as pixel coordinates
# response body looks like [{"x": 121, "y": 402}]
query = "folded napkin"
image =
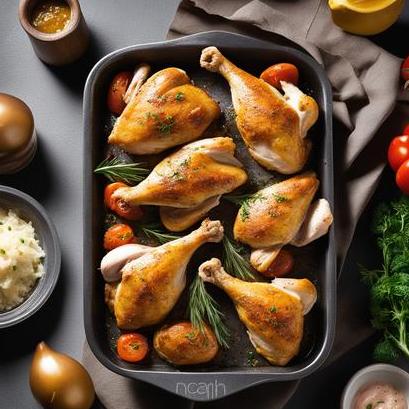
[{"x": 364, "y": 79}]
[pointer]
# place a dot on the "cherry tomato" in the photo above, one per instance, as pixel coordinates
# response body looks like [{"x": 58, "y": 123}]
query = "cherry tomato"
[
  {"x": 125, "y": 210},
  {"x": 132, "y": 347},
  {"x": 120, "y": 207},
  {"x": 109, "y": 191},
  {"x": 402, "y": 177},
  {"x": 398, "y": 151},
  {"x": 118, "y": 235},
  {"x": 281, "y": 266},
  {"x": 116, "y": 92},
  {"x": 280, "y": 72},
  {"x": 406, "y": 130},
  {"x": 404, "y": 71}
]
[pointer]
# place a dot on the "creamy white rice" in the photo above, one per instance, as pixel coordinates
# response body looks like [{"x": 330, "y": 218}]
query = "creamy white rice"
[{"x": 21, "y": 259}]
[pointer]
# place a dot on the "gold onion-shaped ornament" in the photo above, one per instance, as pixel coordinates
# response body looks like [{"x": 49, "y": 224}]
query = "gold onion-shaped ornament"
[{"x": 60, "y": 382}]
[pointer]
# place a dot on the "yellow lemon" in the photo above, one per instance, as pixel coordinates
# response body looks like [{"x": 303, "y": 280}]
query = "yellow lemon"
[{"x": 365, "y": 17}]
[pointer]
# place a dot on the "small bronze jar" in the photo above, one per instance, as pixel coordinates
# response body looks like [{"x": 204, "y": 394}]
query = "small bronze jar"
[
  {"x": 61, "y": 47},
  {"x": 18, "y": 140}
]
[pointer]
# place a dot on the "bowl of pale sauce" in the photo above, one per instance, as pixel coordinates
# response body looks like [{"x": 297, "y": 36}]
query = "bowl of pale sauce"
[{"x": 379, "y": 386}]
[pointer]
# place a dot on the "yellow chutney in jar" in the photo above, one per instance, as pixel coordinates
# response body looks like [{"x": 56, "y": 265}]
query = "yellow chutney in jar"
[{"x": 51, "y": 16}]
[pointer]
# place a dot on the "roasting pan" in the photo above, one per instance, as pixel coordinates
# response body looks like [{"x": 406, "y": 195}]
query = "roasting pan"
[{"x": 231, "y": 371}]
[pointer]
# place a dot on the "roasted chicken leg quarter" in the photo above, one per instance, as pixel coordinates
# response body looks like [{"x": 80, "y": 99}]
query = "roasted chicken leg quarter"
[
  {"x": 272, "y": 312},
  {"x": 167, "y": 111},
  {"x": 189, "y": 182},
  {"x": 273, "y": 126},
  {"x": 282, "y": 214},
  {"x": 152, "y": 283}
]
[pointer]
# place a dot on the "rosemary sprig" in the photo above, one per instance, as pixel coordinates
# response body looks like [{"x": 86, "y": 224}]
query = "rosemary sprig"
[
  {"x": 117, "y": 171},
  {"x": 155, "y": 232},
  {"x": 202, "y": 307},
  {"x": 234, "y": 262}
]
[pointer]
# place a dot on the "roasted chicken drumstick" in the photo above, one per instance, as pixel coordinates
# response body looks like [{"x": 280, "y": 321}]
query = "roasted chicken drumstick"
[
  {"x": 273, "y": 126},
  {"x": 152, "y": 283},
  {"x": 272, "y": 312}
]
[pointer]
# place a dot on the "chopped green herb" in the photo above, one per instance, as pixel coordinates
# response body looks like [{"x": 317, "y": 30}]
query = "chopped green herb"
[
  {"x": 273, "y": 309},
  {"x": 2, "y": 251},
  {"x": 251, "y": 359},
  {"x": 9, "y": 228},
  {"x": 279, "y": 198},
  {"x": 166, "y": 126},
  {"x": 14, "y": 268},
  {"x": 245, "y": 207},
  {"x": 369, "y": 406},
  {"x": 190, "y": 336},
  {"x": 22, "y": 241},
  {"x": 180, "y": 96}
]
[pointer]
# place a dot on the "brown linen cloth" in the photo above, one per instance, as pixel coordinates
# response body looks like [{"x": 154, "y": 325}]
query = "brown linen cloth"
[{"x": 365, "y": 85}]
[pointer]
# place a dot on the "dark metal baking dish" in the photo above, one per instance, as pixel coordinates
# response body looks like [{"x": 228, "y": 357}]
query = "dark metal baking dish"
[{"x": 231, "y": 372}]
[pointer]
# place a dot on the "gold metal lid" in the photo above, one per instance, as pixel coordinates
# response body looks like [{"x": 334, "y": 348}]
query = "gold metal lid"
[{"x": 16, "y": 124}]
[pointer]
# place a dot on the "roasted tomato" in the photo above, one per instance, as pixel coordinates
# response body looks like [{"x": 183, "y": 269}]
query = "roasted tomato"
[
  {"x": 402, "y": 177},
  {"x": 118, "y": 235},
  {"x": 132, "y": 347},
  {"x": 280, "y": 72},
  {"x": 281, "y": 265},
  {"x": 398, "y": 151},
  {"x": 116, "y": 92},
  {"x": 120, "y": 207}
]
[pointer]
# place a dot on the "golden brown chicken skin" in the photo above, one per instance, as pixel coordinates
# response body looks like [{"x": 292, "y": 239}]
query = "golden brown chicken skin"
[
  {"x": 183, "y": 344},
  {"x": 273, "y": 215},
  {"x": 272, "y": 314},
  {"x": 167, "y": 111},
  {"x": 272, "y": 125}
]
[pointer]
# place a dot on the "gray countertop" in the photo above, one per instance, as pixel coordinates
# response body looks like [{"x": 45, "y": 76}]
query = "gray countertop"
[{"x": 54, "y": 178}]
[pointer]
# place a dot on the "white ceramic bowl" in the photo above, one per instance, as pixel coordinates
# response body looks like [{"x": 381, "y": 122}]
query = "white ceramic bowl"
[{"x": 384, "y": 373}]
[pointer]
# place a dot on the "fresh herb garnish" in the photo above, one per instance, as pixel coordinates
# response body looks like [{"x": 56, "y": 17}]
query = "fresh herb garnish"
[
  {"x": 190, "y": 336},
  {"x": 2, "y": 251},
  {"x": 202, "y": 307},
  {"x": 279, "y": 198},
  {"x": 155, "y": 232},
  {"x": 251, "y": 359},
  {"x": 389, "y": 285},
  {"x": 180, "y": 96},
  {"x": 165, "y": 126},
  {"x": 117, "y": 171},
  {"x": 273, "y": 309},
  {"x": 234, "y": 262},
  {"x": 245, "y": 201}
]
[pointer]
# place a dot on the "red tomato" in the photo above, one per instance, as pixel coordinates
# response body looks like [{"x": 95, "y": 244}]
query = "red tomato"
[
  {"x": 402, "y": 177},
  {"x": 404, "y": 71},
  {"x": 281, "y": 266},
  {"x": 406, "y": 130},
  {"x": 119, "y": 206},
  {"x": 280, "y": 72},
  {"x": 109, "y": 191},
  {"x": 116, "y": 92},
  {"x": 118, "y": 235},
  {"x": 125, "y": 210},
  {"x": 398, "y": 151},
  {"x": 132, "y": 347}
]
